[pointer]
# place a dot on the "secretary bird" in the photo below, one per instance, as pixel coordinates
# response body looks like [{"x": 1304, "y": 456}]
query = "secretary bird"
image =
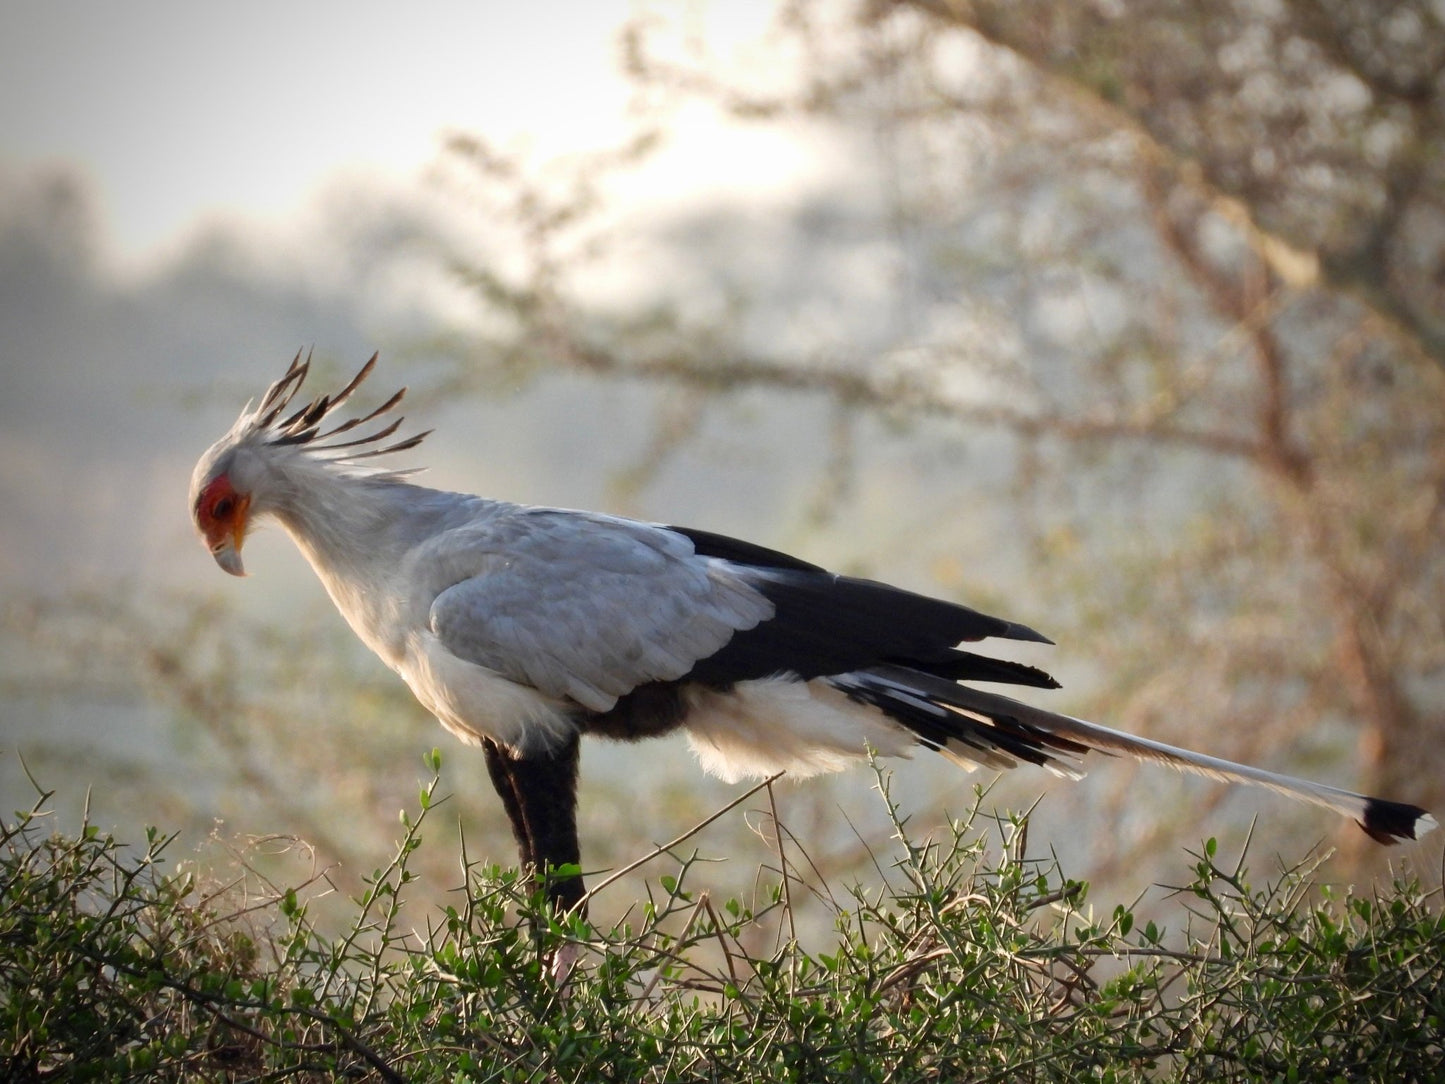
[{"x": 522, "y": 629}]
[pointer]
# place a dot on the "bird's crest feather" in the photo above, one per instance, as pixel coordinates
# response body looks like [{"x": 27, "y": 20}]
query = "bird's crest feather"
[{"x": 303, "y": 428}]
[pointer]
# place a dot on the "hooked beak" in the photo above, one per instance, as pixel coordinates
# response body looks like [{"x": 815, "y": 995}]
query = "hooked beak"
[
  {"x": 225, "y": 544},
  {"x": 228, "y": 556}
]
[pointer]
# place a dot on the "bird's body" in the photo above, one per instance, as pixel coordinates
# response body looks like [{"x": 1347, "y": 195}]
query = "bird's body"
[{"x": 523, "y": 628}]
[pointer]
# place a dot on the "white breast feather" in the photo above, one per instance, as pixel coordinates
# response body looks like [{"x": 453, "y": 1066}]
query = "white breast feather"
[{"x": 474, "y": 702}]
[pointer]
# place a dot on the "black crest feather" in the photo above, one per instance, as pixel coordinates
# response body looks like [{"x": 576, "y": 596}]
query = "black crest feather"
[{"x": 304, "y": 426}]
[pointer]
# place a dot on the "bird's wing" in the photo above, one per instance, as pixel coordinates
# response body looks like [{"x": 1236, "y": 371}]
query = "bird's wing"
[
  {"x": 587, "y": 607},
  {"x": 825, "y": 624}
]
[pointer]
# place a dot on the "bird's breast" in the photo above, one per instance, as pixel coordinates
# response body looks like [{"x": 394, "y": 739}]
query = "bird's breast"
[{"x": 474, "y": 702}]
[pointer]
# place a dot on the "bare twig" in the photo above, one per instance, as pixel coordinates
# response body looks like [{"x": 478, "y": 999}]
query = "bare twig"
[{"x": 657, "y": 852}]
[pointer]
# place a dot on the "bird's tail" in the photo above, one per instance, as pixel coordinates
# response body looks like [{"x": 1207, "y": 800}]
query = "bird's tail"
[{"x": 976, "y": 727}]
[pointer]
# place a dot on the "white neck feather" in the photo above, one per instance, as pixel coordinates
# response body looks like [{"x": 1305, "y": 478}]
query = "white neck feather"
[{"x": 355, "y": 530}]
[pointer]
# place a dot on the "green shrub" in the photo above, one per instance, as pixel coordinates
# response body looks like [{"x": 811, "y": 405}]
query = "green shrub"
[{"x": 960, "y": 964}]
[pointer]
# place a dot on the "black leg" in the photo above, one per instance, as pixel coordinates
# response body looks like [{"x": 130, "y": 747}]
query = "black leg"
[
  {"x": 539, "y": 794},
  {"x": 499, "y": 767}
]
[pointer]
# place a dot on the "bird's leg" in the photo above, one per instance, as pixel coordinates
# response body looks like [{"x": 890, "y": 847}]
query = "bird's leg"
[
  {"x": 499, "y": 767},
  {"x": 539, "y": 793}
]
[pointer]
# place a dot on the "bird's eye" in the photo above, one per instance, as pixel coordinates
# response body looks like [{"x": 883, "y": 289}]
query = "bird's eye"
[{"x": 222, "y": 508}]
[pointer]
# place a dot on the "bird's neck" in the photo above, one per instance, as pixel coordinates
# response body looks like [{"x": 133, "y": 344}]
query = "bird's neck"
[
  {"x": 355, "y": 531},
  {"x": 336, "y": 518}
]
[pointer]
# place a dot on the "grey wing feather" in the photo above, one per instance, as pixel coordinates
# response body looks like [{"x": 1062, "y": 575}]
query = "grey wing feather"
[{"x": 588, "y": 607}]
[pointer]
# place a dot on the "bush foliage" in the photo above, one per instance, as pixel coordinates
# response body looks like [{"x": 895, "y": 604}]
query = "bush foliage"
[{"x": 964, "y": 962}]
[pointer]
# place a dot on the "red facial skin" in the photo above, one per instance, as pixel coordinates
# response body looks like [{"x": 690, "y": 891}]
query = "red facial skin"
[{"x": 221, "y": 517}]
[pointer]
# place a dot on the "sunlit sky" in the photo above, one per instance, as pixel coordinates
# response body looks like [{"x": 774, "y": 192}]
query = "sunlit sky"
[{"x": 182, "y": 112}]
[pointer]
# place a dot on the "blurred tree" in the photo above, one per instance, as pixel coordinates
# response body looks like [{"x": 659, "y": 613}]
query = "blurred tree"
[
  {"x": 1323, "y": 118},
  {"x": 1192, "y": 259}
]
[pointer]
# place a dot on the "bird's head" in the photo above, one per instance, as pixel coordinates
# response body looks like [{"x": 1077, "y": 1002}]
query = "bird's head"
[
  {"x": 221, "y": 505},
  {"x": 250, "y": 470}
]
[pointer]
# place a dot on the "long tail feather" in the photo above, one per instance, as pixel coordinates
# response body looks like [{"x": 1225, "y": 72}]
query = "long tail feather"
[{"x": 955, "y": 718}]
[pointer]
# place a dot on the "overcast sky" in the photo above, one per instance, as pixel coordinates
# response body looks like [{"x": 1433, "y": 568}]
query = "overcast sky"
[{"x": 182, "y": 111}]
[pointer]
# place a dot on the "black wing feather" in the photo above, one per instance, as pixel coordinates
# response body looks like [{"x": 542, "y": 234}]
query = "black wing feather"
[
  {"x": 826, "y": 624},
  {"x": 742, "y": 553}
]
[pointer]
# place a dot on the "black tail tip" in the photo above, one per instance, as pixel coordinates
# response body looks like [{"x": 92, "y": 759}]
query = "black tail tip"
[{"x": 1390, "y": 822}]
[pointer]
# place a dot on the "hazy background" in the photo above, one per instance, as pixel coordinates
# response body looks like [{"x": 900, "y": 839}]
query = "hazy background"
[{"x": 999, "y": 311}]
